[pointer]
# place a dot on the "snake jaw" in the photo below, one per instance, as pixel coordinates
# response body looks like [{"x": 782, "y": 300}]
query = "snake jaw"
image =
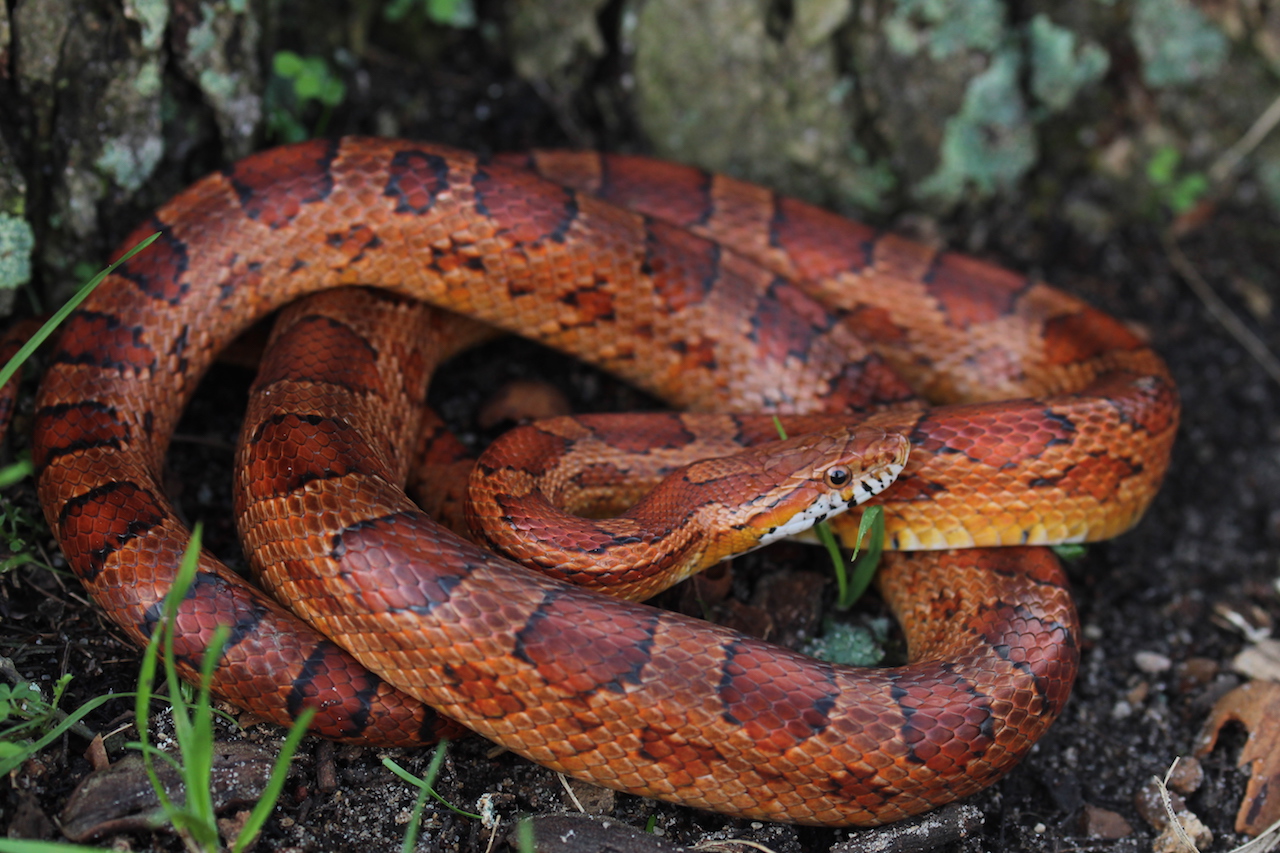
[
  {"x": 830, "y": 504},
  {"x": 871, "y": 485},
  {"x": 875, "y": 462}
]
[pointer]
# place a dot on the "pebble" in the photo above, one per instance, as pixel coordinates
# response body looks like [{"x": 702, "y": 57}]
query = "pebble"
[
  {"x": 1196, "y": 672},
  {"x": 1152, "y": 663},
  {"x": 1150, "y": 805},
  {"x": 1187, "y": 777},
  {"x": 1097, "y": 822}
]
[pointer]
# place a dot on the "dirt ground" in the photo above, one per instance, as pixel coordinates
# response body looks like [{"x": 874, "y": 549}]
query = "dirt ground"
[{"x": 1209, "y": 543}]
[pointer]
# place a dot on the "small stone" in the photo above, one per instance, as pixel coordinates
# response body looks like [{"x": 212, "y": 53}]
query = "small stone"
[
  {"x": 232, "y": 827},
  {"x": 1150, "y": 804},
  {"x": 1152, "y": 663},
  {"x": 1170, "y": 840},
  {"x": 1097, "y": 822},
  {"x": 1196, "y": 672},
  {"x": 1187, "y": 776}
]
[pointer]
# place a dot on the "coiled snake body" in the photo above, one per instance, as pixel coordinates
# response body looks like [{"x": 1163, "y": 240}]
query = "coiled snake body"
[{"x": 710, "y": 293}]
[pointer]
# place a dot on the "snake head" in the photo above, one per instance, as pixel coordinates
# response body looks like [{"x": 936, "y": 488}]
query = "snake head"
[{"x": 823, "y": 474}]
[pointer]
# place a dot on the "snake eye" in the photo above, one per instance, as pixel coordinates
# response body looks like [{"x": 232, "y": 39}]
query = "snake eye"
[{"x": 837, "y": 476}]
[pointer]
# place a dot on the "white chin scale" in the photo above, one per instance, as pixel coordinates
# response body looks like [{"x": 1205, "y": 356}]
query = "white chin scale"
[{"x": 830, "y": 504}]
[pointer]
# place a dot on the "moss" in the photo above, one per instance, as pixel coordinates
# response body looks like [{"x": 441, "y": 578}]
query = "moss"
[
  {"x": 39, "y": 31},
  {"x": 1177, "y": 43},
  {"x": 17, "y": 241},
  {"x": 1061, "y": 65},
  {"x": 549, "y": 36},
  {"x": 816, "y": 20},
  {"x": 716, "y": 87},
  {"x": 989, "y": 144}
]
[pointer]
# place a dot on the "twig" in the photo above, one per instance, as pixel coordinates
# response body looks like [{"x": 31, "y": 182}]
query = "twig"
[
  {"x": 573, "y": 798},
  {"x": 1229, "y": 160},
  {"x": 1220, "y": 311},
  {"x": 1162, "y": 785}
]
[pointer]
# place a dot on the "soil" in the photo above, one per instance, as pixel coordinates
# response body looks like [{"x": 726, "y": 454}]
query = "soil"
[{"x": 1208, "y": 544}]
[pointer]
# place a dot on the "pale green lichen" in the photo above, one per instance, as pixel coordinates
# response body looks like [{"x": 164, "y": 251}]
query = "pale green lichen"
[
  {"x": 1061, "y": 65},
  {"x": 202, "y": 38},
  {"x": 211, "y": 43},
  {"x": 1177, "y": 43},
  {"x": 850, "y": 645},
  {"x": 219, "y": 85},
  {"x": 147, "y": 81},
  {"x": 129, "y": 164},
  {"x": 989, "y": 143},
  {"x": 152, "y": 16},
  {"x": 944, "y": 27},
  {"x": 17, "y": 242}
]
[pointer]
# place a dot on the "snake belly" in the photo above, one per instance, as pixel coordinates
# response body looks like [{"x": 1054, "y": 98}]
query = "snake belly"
[{"x": 730, "y": 299}]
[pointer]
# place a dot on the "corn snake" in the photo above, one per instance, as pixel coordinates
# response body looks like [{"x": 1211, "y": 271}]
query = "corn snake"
[{"x": 685, "y": 712}]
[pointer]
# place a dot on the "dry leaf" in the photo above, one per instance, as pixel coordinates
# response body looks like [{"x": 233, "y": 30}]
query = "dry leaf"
[
  {"x": 1260, "y": 660},
  {"x": 1256, "y": 706}
]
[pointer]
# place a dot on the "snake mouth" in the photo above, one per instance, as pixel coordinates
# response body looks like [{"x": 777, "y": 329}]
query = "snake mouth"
[
  {"x": 875, "y": 483},
  {"x": 829, "y": 504}
]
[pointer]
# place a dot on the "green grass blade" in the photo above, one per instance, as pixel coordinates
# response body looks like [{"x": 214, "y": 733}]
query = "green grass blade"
[
  {"x": 161, "y": 639},
  {"x": 415, "y": 822},
  {"x": 865, "y": 564},
  {"x": 9, "y": 764},
  {"x": 433, "y": 769},
  {"x": 828, "y": 540},
  {"x": 14, "y": 845},
  {"x": 19, "y": 358},
  {"x": 275, "y": 782},
  {"x": 524, "y": 837},
  {"x": 16, "y": 473},
  {"x": 1070, "y": 551},
  {"x": 196, "y": 735}
]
